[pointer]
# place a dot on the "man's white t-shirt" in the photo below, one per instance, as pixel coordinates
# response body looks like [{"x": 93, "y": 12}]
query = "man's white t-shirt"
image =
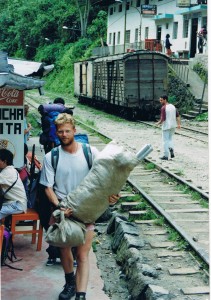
[
  {"x": 170, "y": 121},
  {"x": 17, "y": 193},
  {"x": 70, "y": 171}
]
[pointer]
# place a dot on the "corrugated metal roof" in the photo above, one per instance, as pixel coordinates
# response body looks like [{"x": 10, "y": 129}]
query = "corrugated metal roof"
[
  {"x": 13, "y": 73},
  {"x": 24, "y": 67},
  {"x": 27, "y": 68}
]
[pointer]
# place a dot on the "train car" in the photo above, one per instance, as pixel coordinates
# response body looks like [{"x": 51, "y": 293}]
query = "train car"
[{"x": 129, "y": 84}]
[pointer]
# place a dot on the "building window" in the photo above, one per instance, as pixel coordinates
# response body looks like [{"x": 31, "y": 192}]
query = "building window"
[
  {"x": 110, "y": 38},
  {"x": 111, "y": 10},
  {"x": 136, "y": 35},
  {"x": 118, "y": 37},
  {"x": 120, "y": 8},
  {"x": 204, "y": 21},
  {"x": 138, "y": 3},
  {"x": 146, "y": 32},
  {"x": 175, "y": 30},
  {"x": 185, "y": 28},
  {"x": 127, "y": 36}
]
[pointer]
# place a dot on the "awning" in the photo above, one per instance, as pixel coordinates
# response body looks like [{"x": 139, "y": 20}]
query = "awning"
[
  {"x": 193, "y": 9},
  {"x": 163, "y": 16},
  {"x": 30, "y": 68},
  {"x": 18, "y": 82},
  {"x": 15, "y": 80}
]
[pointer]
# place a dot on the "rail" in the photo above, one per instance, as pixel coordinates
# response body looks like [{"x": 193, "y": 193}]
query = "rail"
[
  {"x": 181, "y": 70},
  {"x": 136, "y": 181},
  {"x": 147, "y": 44},
  {"x": 184, "y": 232}
]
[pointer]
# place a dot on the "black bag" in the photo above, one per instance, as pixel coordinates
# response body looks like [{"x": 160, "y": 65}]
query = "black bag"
[
  {"x": 1, "y": 197},
  {"x": 8, "y": 252},
  {"x": 43, "y": 139}
]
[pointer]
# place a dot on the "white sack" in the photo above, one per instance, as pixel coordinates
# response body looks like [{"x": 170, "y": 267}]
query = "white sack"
[
  {"x": 65, "y": 232},
  {"x": 107, "y": 176}
]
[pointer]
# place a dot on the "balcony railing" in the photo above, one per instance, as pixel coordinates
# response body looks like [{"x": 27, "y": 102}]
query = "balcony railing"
[
  {"x": 148, "y": 44},
  {"x": 180, "y": 68}
]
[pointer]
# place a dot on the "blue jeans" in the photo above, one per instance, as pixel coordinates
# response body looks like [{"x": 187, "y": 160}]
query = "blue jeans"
[
  {"x": 168, "y": 140},
  {"x": 10, "y": 209}
]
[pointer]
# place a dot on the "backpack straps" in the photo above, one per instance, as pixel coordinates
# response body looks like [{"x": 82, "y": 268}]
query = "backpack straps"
[
  {"x": 55, "y": 157},
  {"x": 9, "y": 188},
  {"x": 87, "y": 153}
]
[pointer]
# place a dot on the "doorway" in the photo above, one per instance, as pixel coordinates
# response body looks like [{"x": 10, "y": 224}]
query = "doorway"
[
  {"x": 194, "y": 30},
  {"x": 114, "y": 42},
  {"x": 159, "y": 31}
]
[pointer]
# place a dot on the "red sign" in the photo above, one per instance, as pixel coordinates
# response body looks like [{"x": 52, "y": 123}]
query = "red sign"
[
  {"x": 12, "y": 123},
  {"x": 11, "y": 97}
]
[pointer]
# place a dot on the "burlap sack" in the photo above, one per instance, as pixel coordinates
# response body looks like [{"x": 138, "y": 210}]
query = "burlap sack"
[
  {"x": 108, "y": 174},
  {"x": 65, "y": 232}
]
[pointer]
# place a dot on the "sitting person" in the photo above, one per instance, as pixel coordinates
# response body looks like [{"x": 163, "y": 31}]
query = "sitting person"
[{"x": 15, "y": 200}]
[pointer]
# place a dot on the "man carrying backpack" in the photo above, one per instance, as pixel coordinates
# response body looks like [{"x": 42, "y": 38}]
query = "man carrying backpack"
[
  {"x": 71, "y": 169},
  {"x": 49, "y": 113}
]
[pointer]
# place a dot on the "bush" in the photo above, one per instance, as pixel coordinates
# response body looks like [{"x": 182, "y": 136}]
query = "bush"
[
  {"x": 202, "y": 117},
  {"x": 199, "y": 69}
]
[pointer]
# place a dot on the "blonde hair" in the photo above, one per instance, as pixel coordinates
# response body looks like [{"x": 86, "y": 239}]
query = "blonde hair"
[{"x": 65, "y": 118}]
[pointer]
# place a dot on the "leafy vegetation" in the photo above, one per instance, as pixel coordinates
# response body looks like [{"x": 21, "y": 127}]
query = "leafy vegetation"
[
  {"x": 36, "y": 128},
  {"x": 179, "y": 95},
  {"x": 50, "y": 31},
  {"x": 202, "y": 117},
  {"x": 199, "y": 69},
  {"x": 149, "y": 166},
  {"x": 134, "y": 198}
]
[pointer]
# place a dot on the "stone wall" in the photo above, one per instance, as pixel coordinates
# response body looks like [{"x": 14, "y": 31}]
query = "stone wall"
[{"x": 142, "y": 278}]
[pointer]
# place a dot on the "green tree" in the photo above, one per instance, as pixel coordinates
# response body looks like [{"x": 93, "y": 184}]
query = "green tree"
[
  {"x": 84, "y": 7},
  {"x": 98, "y": 28}
]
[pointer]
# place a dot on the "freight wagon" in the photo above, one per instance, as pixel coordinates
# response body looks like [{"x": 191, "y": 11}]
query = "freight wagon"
[{"x": 128, "y": 84}]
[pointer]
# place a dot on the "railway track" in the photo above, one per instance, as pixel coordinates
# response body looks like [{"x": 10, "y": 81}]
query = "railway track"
[
  {"x": 183, "y": 207},
  {"x": 183, "y": 210}
]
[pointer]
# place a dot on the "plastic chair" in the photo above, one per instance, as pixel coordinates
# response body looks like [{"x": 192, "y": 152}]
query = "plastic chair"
[{"x": 32, "y": 215}]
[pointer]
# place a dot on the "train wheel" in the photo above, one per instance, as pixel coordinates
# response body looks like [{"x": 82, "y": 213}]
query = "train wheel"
[{"x": 132, "y": 114}]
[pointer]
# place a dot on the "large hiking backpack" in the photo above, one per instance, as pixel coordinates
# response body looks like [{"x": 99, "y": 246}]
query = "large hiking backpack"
[
  {"x": 8, "y": 252},
  {"x": 49, "y": 113}
]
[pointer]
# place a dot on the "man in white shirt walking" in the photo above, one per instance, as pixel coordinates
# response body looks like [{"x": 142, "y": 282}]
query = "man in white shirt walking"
[{"x": 169, "y": 119}]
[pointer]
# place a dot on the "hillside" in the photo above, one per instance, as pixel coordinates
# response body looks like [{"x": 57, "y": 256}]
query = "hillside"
[{"x": 54, "y": 32}]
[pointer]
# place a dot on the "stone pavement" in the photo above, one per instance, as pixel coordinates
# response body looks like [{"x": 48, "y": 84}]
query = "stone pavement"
[{"x": 37, "y": 281}]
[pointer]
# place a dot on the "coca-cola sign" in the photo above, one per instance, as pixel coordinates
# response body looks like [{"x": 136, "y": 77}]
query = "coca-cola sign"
[{"x": 11, "y": 97}]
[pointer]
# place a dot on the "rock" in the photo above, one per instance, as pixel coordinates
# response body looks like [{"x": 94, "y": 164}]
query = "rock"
[{"x": 155, "y": 292}]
